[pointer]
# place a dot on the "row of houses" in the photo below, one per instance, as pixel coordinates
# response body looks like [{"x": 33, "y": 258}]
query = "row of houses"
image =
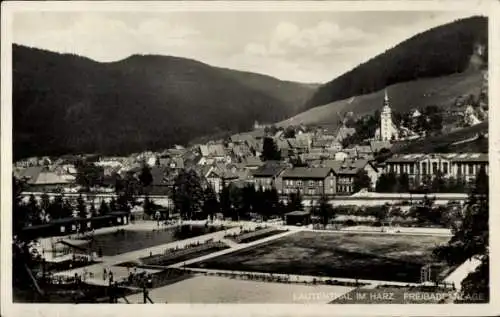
[{"x": 331, "y": 178}]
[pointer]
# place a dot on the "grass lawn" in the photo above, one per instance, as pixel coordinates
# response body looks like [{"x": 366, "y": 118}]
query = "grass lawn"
[{"x": 344, "y": 255}]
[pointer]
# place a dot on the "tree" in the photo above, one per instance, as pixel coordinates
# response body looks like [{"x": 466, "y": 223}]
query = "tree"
[
  {"x": 34, "y": 211},
  {"x": 104, "y": 208},
  {"x": 93, "y": 211},
  {"x": 236, "y": 201},
  {"x": 270, "y": 150},
  {"x": 44, "y": 202},
  {"x": 67, "y": 209},
  {"x": 127, "y": 191},
  {"x": 270, "y": 203},
  {"x": 438, "y": 183},
  {"x": 23, "y": 259},
  {"x": 387, "y": 183},
  {"x": 188, "y": 197},
  {"x": 248, "y": 198},
  {"x": 112, "y": 205},
  {"x": 289, "y": 133},
  {"x": 403, "y": 183},
  {"x": 210, "y": 203},
  {"x": 20, "y": 213},
  {"x": 225, "y": 200},
  {"x": 455, "y": 185},
  {"x": 325, "y": 210},
  {"x": 361, "y": 180},
  {"x": 471, "y": 239},
  {"x": 295, "y": 201},
  {"x": 148, "y": 206},
  {"x": 81, "y": 207},
  {"x": 55, "y": 209},
  {"x": 88, "y": 174},
  {"x": 380, "y": 213},
  {"x": 145, "y": 176},
  {"x": 274, "y": 201}
]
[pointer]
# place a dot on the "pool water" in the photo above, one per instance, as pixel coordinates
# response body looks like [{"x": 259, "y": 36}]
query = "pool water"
[{"x": 129, "y": 240}]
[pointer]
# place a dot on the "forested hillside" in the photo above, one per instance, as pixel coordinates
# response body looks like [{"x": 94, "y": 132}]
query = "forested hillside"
[
  {"x": 66, "y": 103},
  {"x": 441, "y": 51}
]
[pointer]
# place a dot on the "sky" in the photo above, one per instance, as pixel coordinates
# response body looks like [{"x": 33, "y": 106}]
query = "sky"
[{"x": 310, "y": 47}]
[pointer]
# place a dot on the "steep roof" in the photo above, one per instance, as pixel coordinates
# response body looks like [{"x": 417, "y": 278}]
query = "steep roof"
[
  {"x": 47, "y": 178},
  {"x": 347, "y": 167},
  {"x": 344, "y": 132},
  {"x": 31, "y": 173},
  {"x": 268, "y": 170},
  {"x": 241, "y": 137},
  {"x": 307, "y": 172},
  {"x": 252, "y": 161}
]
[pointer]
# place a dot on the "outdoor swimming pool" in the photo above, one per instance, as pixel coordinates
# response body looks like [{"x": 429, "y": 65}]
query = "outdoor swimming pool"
[{"x": 124, "y": 241}]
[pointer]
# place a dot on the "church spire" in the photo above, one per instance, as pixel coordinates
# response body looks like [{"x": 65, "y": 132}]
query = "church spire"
[{"x": 386, "y": 98}]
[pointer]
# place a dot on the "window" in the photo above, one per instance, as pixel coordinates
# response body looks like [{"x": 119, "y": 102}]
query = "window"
[
  {"x": 434, "y": 167},
  {"x": 471, "y": 169},
  {"x": 311, "y": 183},
  {"x": 424, "y": 168},
  {"x": 299, "y": 183},
  {"x": 445, "y": 168},
  {"x": 320, "y": 183},
  {"x": 412, "y": 168},
  {"x": 331, "y": 182},
  {"x": 459, "y": 169},
  {"x": 311, "y": 192}
]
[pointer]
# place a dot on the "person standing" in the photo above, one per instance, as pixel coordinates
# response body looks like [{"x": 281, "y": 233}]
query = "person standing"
[{"x": 104, "y": 275}]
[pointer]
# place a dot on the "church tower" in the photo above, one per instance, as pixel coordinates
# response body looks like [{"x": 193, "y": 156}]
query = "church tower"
[{"x": 387, "y": 130}]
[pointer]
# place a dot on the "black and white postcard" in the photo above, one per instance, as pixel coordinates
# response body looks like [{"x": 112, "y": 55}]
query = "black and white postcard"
[{"x": 303, "y": 158}]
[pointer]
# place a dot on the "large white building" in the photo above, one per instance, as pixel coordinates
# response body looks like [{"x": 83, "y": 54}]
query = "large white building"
[
  {"x": 387, "y": 130},
  {"x": 463, "y": 166}
]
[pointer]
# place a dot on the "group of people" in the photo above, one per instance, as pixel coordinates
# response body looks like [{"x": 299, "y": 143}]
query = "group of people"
[
  {"x": 142, "y": 278},
  {"x": 107, "y": 274}
]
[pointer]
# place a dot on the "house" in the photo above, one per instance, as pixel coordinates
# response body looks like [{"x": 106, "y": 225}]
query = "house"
[
  {"x": 267, "y": 175},
  {"x": 309, "y": 181},
  {"x": 298, "y": 147},
  {"x": 284, "y": 148},
  {"x": 40, "y": 177},
  {"x": 256, "y": 145},
  {"x": 321, "y": 143},
  {"x": 171, "y": 162},
  {"x": 241, "y": 138},
  {"x": 419, "y": 166},
  {"x": 252, "y": 163},
  {"x": 218, "y": 175},
  {"x": 239, "y": 151},
  {"x": 346, "y": 171},
  {"x": 343, "y": 133}
]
